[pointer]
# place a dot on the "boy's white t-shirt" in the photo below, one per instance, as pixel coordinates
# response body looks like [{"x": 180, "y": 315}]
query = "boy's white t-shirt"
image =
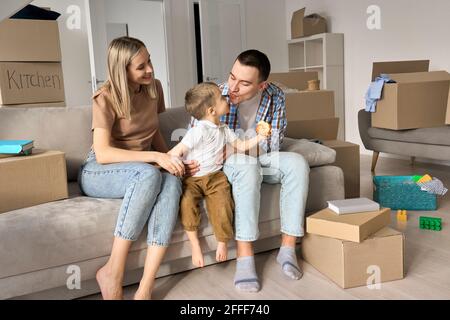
[{"x": 205, "y": 142}]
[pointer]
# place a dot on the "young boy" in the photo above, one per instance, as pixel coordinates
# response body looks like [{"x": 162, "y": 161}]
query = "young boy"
[{"x": 205, "y": 143}]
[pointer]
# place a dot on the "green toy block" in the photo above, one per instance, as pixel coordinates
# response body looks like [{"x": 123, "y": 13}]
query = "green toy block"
[
  {"x": 416, "y": 178},
  {"x": 428, "y": 223}
]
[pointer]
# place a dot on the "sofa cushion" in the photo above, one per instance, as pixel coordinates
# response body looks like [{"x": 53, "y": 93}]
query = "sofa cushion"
[
  {"x": 67, "y": 129},
  {"x": 316, "y": 154},
  {"x": 434, "y": 136},
  {"x": 173, "y": 125}
]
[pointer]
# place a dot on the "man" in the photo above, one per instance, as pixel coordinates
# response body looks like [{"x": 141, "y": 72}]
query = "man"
[{"x": 252, "y": 99}]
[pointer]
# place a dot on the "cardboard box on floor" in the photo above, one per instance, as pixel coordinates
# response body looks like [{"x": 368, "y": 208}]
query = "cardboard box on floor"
[
  {"x": 26, "y": 181},
  {"x": 310, "y": 114},
  {"x": 354, "y": 227},
  {"x": 31, "y": 82},
  {"x": 29, "y": 40},
  {"x": 303, "y": 26},
  {"x": 350, "y": 264},
  {"x": 348, "y": 159},
  {"x": 416, "y": 100}
]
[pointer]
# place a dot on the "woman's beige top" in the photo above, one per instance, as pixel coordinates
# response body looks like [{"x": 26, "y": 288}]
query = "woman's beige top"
[{"x": 137, "y": 133}]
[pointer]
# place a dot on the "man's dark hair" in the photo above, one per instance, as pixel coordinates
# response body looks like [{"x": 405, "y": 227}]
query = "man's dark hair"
[{"x": 258, "y": 60}]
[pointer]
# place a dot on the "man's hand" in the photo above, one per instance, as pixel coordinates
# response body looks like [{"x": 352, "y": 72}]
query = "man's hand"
[{"x": 191, "y": 167}]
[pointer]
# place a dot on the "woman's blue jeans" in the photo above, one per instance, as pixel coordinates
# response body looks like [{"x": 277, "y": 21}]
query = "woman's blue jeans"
[{"x": 148, "y": 194}]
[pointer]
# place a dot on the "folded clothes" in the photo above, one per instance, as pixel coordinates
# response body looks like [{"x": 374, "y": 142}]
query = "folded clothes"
[
  {"x": 373, "y": 94},
  {"x": 434, "y": 186}
]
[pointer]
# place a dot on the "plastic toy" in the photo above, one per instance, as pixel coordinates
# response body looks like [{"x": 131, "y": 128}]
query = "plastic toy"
[{"x": 428, "y": 223}]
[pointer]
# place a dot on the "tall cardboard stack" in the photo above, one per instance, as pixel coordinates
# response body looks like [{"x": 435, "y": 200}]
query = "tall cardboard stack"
[
  {"x": 354, "y": 249},
  {"x": 30, "y": 63},
  {"x": 310, "y": 114}
]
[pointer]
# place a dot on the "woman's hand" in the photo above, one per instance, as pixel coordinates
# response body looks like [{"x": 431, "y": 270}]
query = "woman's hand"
[{"x": 174, "y": 165}]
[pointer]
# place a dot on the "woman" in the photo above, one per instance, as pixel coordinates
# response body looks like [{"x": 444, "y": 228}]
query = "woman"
[{"x": 125, "y": 126}]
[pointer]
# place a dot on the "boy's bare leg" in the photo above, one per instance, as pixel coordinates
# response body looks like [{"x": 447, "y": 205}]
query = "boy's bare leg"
[
  {"x": 221, "y": 252},
  {"x": 197, "y": 255}
]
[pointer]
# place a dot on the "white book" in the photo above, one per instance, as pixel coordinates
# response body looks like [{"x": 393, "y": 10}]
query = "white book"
[{"x": 353, "y": 205}]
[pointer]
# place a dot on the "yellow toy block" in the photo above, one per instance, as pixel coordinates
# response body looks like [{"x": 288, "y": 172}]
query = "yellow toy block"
[
  {"x": 402, "y": 215},
  {"x": 425, "y": 178}
]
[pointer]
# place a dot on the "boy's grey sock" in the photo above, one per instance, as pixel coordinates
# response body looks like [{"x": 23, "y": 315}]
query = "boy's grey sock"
[
  {"x": 245, "y": 278},
  {"x": 288, "y": 261}
]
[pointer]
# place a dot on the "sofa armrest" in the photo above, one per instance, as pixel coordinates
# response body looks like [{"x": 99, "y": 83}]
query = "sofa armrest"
[{"x": 364, "y": 123}]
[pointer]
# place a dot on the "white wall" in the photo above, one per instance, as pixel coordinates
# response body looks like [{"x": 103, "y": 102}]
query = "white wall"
[
  {"x": 266, "y": 31},
  {"x": 74, "y": 51},
  {"x": 146, "y": 22},
  {"x": 410, "y": 30},
  {"x": 9, "y": 7}
]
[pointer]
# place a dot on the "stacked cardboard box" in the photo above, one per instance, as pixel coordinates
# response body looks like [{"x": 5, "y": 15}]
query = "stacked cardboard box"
[
  {"x": 418, "y": 99},
  {"x": 31, "y": 180},
  {"x": 310, "y": 114},
  {"x": 30, "y": 62},
  {"x": 348, "y": 159},
  {"x": 354, "y": 249}
]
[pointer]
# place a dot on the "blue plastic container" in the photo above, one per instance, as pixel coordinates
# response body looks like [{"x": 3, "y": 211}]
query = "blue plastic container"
[{"x": 402, "y": 193}]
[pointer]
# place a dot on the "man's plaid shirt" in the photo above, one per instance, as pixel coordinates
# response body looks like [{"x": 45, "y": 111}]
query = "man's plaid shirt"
[{"x": 272, "y": 109}]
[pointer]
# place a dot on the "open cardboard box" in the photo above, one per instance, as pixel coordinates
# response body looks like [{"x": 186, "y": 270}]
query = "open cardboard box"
[
  {"x": 447, "y": 119},
  {"x": 416, "y": 100},
  {"x": 303, "y": 26}
]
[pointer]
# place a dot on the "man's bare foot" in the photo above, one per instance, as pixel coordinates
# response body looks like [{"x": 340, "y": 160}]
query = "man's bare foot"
[
  {"x": 197, "y": 255},
  {"x": 111, "y": 288},
  {"x": 221, "y": 252}
]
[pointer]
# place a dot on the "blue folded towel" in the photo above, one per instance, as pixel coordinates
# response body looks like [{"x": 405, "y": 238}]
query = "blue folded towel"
[{"x": 374, "y": 92}]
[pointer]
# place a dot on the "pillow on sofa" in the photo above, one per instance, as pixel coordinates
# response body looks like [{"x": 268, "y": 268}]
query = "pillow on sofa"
[{"x": 316, "y": 154}]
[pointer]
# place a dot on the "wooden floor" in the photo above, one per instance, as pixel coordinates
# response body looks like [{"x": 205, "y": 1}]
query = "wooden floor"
[{"x": 427, "y": 260}]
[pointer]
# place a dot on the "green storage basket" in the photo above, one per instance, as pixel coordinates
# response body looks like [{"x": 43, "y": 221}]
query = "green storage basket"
[{"x": 402, "y": 193}]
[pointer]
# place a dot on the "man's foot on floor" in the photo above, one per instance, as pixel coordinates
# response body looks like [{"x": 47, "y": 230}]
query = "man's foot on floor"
[
  {"x": 245, "y": 279},
  {"x": 221, "y": 252},
  {"x": 288, "y": 261}
]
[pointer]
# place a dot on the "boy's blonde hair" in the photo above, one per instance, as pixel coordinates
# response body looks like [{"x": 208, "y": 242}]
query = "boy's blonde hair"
[
  {"x": 200, "y": 98},
  {"x": 120, "y": 53}
]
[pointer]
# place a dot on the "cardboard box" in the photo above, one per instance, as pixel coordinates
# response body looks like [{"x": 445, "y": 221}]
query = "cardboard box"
[
  {"x": 322, "y": 129},
  {"x": 29, "y": 40},
  {"x": 293, "y": 80},
  {"x": 391, "y": 67},
  {"x": 417, "y": 100},
  {"x": 348, "y": 159},
  {"x": 303, "y": 26},
  {"x": 31, "y": 82},
  {"x": 350, "y": 264},
  {"x": 35, "y": 105},
  {"x": 351, "y": 227},
  {"x": 310, "y": 105},
  {"x": 31, "y": 180}
]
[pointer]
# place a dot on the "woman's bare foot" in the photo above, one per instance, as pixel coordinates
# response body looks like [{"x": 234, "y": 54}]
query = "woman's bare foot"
[
  {"x": 197, "y": 255},
  {"x": 111, "y": 288},
  {"x": 221, "y": 252}
]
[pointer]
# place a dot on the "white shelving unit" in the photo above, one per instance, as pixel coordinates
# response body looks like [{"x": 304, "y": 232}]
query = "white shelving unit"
[{"x": 323, "y": 53}]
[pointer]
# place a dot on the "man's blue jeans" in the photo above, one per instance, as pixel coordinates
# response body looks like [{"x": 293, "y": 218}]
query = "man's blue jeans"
[
  {"x": 148, "y": 195},
  {"x": 246, "y": 174}
]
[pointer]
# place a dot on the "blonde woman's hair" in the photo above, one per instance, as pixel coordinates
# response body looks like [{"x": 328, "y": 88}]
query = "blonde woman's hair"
[{"x": 120, "y": 53}]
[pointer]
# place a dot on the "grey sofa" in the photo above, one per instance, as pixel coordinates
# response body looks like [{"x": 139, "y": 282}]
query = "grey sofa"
[
  {"x": 40, "y": 243},
  {"x": 431, "y": 143}
]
